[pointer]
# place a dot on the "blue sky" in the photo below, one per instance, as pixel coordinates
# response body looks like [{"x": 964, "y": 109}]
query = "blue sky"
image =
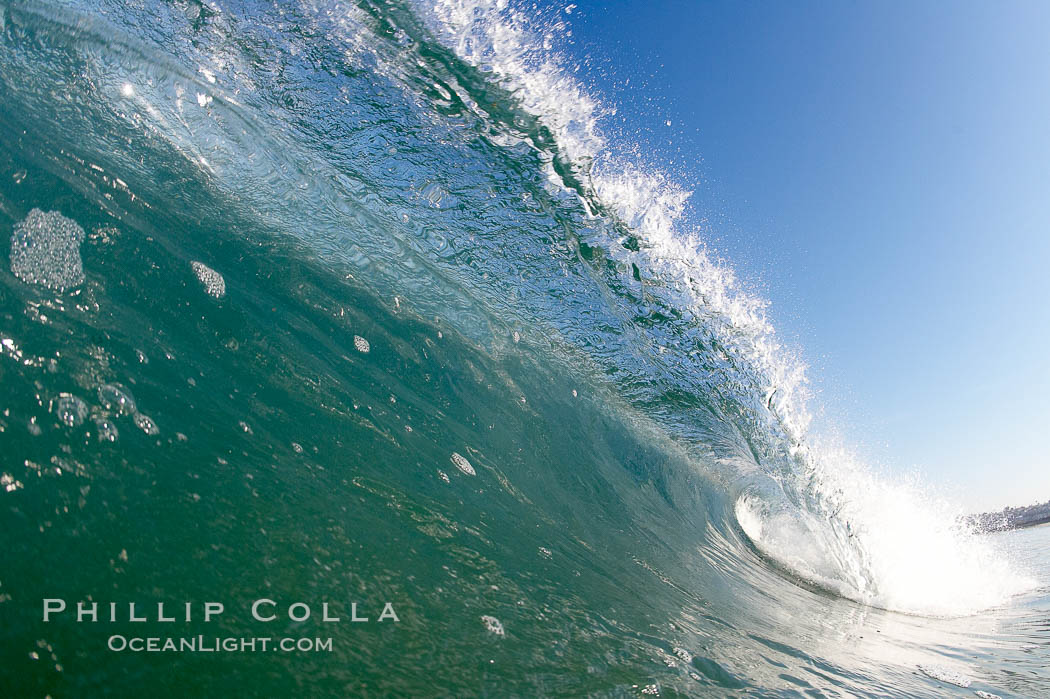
[{"x": 881, "y": 172}]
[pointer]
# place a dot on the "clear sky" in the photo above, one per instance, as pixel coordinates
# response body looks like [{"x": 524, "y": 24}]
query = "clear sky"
[{"x": 881, "y": 171}]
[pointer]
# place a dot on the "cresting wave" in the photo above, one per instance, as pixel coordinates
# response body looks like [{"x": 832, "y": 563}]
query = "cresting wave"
[
  {"x": 670, "y": 331},
  {"x": 829, "y": 520}
]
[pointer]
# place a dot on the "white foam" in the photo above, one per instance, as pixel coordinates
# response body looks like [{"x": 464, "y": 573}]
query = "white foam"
[
  {"x": 214, "y": 283},
  {"x": 493, "y": 625},
  {"x": 462, "y": 464},
  {"x": 891, "y": 543},
  {"x": 946, "y": 674},
  {"x": 45, "y": 250}
]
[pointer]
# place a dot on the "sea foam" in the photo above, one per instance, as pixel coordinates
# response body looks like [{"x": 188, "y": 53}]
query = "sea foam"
[{"x": 45, "y": 250}]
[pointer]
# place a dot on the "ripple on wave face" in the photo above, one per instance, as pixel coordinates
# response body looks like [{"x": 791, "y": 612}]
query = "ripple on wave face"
[{"x": 45, "y": 250}]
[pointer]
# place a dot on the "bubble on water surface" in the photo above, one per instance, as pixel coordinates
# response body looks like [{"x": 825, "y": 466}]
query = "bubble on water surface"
[
  {"x": 361, "y": 344},
  {"x": 107, "y": 431},
  {"x": 70, "y": 410},
  {"x": 45, "y": 250},
  {"x": 9, "y": 483},
  {"x": 214, "y": 283},
  {"x": 462, "y": 464},
  {"x": 493, "y": 625},
  {"x": 146, "y": 424},
  {"x": 944, "y": 674},
  {"x": 115, "y": 397}
]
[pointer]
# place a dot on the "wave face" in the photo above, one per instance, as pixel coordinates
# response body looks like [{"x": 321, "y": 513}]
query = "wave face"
[{"x": 368, "y": 306}]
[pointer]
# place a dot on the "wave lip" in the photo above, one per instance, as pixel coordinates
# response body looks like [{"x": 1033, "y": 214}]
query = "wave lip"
[{"x": 894, "y": 547}]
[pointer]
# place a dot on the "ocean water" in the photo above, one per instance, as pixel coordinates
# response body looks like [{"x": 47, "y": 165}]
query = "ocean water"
[{"x": 356, "y": 303}]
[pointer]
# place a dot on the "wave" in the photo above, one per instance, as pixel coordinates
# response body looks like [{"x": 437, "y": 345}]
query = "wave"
[
  {"x": 844, "y": 529},
  {"x": 535, "y": 234}
]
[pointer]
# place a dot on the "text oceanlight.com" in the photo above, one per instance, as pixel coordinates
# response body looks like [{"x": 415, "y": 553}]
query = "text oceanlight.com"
[{"x": 205, "y": 644}]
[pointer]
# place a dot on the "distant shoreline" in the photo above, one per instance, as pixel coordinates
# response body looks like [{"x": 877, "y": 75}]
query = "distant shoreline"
[{"x": 1011, "y": 518}]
